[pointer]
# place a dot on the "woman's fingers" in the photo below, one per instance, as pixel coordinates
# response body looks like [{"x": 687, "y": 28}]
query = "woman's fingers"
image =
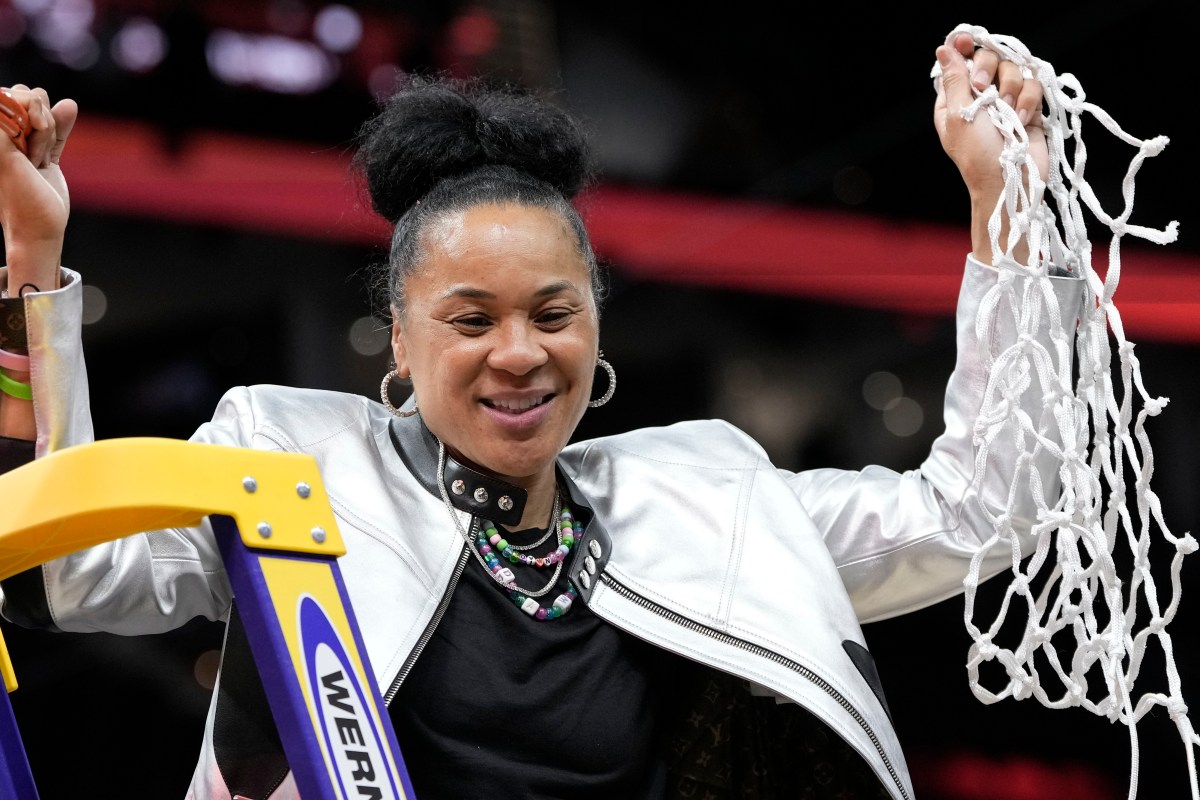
[
  {"x": 1014, "y": 85},
  {"x": 954, "y": 89},
  {"x": 64, "y": 112},
  {"x": 34, "y": 202},
  {"x": 984, "y": 68},
  {"x": 965, "y": 44},
  {"x": 1023, "y": 94},
  {"x": 1009, "y": 82},
  {"x": 1029, "y": 103},
  {"x": 41, "y": 138}
]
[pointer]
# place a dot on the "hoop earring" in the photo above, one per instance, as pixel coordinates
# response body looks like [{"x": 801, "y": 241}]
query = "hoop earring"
[
  {"x": 612, "y": 381},
  {"x": 387, "y": 401}
]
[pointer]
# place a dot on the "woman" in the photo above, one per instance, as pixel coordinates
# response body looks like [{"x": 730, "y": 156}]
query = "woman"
[{"x": 657, "y": 614}]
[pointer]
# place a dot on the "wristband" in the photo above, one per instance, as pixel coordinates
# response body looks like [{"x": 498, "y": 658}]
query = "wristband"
[
  {"x": 4, "y": 295},
  {"x": 21, "y": 391},
  {"x": 14, "y": 361},
  {"x": 12, "y": 325}
]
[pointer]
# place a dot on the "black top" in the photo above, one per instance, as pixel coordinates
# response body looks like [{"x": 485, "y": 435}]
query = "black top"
[
  {"x": 531, "y": 709},
  {"x": 14, "y": 453}
]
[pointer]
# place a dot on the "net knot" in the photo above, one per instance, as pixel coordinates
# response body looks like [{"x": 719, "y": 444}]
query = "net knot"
[
  {"x": 1176, "y": 708},
  {"x": 1186, "y": 544},
  {"x": 1153, "y": 147},
  {"x": 1155, "y": 406},
  {"x": 987, "y": 649},
  {"x": 1056, "y": 519},
  {"x": 986, "y": 97},
  {"x": 1014, "y": 152}
]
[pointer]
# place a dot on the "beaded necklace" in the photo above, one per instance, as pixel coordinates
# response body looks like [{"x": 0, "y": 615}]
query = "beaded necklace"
[
  {"x": 568, "y": 531},
  {"x": 490, "y": 538}
]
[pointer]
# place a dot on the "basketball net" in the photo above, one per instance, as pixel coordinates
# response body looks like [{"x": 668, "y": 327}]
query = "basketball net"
[{"x": 1082, "y": 600}]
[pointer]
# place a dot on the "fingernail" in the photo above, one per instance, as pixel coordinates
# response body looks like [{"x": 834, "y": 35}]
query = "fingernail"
[
  {"x": 943, "y": 55},
  {"x": 1008, "y": 100},
  {"x": 1023, "y": 115},
  {"x": 980, "y": 78}
]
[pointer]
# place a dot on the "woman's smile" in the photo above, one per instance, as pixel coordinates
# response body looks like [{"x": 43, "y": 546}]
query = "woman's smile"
[
  {"x": 517, "y": 405},
  {"x": 519, "y": 414}
]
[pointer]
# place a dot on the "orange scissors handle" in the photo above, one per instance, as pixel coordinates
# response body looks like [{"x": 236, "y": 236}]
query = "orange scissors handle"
[{"x": 14, "y": 121}]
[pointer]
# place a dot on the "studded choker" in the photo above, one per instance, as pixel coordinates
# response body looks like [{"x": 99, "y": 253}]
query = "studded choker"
[{"x": 489, "y": 538}]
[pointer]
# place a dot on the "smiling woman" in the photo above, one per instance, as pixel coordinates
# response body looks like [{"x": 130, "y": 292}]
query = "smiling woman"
[
  {"x": 658, "y": 614},
  {"x": 501, "y": 335}
]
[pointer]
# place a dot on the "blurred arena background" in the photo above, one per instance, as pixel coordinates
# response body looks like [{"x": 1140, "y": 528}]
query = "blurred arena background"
[{"x": 783, "y": 234}]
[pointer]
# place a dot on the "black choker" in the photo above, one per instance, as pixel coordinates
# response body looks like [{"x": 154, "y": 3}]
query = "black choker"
[{"x": 468, "y": 489}]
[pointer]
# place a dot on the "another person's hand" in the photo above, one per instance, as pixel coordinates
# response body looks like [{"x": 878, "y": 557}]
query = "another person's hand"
[
  {"x": 975, "y": 147},
  {"x": 34, "y": 203}
]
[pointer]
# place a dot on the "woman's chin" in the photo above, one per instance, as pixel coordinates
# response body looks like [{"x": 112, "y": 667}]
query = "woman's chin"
[
  {"x": 520, "y": 471},
  {"x": 520, "y": 447},
  {"x": 518, "y": 463}
]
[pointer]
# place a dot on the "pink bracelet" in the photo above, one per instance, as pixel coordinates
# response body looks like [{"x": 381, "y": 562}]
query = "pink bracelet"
[{"x": 14, "y": 362}]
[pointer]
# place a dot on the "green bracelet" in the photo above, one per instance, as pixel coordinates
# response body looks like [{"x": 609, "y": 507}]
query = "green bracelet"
[{"x": 21, "y": 391}]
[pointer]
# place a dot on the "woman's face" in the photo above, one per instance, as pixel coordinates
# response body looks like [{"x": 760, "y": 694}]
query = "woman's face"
[{"x": 500, "y": 337}]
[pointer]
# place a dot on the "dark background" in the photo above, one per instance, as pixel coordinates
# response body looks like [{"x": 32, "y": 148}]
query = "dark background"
[{"x": 746, "y": 101}]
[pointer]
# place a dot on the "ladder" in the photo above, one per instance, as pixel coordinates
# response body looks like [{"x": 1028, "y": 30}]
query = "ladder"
[{"x": 280, "y": 546}]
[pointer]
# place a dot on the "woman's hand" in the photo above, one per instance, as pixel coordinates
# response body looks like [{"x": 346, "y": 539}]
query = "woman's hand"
[
  {"x": 34, "y": 203},
  {"x": 975, "y": 147}
]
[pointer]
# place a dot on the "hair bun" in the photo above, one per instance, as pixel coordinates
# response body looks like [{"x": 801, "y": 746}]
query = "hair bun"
[{"x": 438, "y": 128}]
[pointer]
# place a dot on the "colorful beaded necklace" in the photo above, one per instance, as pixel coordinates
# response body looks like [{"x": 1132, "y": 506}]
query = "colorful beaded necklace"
[
  {"x": 568, "y": 532},
  {"x": 489, "y": 538}
]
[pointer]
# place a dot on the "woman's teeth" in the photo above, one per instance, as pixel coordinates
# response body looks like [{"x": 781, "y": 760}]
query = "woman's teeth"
[{"x": 517, "y": 405}]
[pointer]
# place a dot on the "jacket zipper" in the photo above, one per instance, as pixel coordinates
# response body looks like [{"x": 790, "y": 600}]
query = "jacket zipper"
[
  {"x": 427, "y": 634},
  {"x": 763, "y": 652}
]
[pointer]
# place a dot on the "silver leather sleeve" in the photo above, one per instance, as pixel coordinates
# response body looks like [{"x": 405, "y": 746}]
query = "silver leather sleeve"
[
  {"x": 155, "y": 581},
  {"x": 53, "y": 322},
  {"x": 145, "y": 583},
  {"x": 903, "y": 541}
]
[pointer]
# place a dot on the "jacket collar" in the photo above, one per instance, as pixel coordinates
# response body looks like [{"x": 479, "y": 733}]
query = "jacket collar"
[{"x": 418, "y": 449}]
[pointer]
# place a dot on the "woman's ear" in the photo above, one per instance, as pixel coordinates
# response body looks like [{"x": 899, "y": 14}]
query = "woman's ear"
[{"x": 399, "y": 351}]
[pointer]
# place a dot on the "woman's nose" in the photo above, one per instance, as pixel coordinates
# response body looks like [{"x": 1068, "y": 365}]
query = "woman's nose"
[{"x": 517, "y": 349}]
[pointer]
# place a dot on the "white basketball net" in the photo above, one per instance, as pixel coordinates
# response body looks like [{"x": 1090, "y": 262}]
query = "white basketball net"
[{"x": 1087, "y": 626}]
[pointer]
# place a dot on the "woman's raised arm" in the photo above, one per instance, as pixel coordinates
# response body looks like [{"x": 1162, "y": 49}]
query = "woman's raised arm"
[{"x": 34, "y": 206}]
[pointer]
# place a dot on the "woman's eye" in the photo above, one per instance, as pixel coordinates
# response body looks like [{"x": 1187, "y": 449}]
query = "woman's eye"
[
  {"x": 557, "y": 316},
  {"x": 473, "y": 323}
]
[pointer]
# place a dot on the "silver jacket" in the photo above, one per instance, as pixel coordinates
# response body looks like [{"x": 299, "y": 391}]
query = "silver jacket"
[{"x": 781, "y": 567}]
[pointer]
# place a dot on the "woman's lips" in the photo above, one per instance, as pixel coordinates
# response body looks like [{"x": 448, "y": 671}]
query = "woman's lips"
[{"x": 518, "y": 412}]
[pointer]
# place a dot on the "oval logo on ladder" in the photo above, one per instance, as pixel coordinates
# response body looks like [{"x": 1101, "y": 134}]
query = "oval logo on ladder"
[{"x": 358, "y": 748}]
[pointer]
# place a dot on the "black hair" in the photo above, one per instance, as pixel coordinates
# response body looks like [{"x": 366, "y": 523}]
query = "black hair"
[{"x": 441, "y": 144}]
